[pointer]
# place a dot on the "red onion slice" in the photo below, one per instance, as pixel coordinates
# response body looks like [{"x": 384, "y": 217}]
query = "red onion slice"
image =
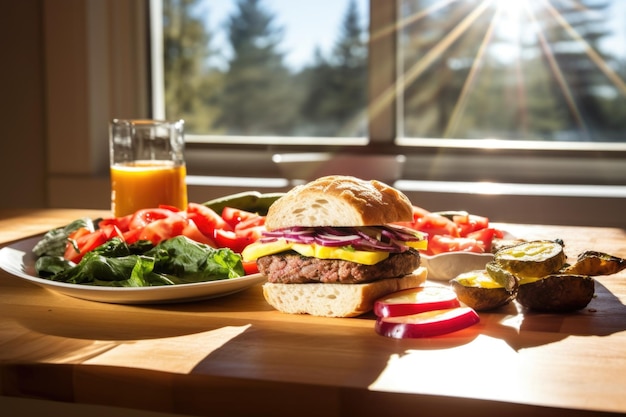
[{"x": 373, "y": 238}]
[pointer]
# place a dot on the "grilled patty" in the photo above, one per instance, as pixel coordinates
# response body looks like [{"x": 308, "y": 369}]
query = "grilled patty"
[{"x": 291, "y": 267}]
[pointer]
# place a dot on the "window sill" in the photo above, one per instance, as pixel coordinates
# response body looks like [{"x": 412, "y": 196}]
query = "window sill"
[
  {"x": 509, "y": 189},
  {"x": 580, "y": 205}
]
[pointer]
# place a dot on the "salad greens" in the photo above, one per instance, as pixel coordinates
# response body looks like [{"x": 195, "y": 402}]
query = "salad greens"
[
  {"x": 54, "y": 241},
  {"x": 179, "y": 260}
]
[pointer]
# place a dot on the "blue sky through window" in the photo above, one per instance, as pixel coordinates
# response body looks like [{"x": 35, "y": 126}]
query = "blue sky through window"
[{"x": 307, "y": 24}]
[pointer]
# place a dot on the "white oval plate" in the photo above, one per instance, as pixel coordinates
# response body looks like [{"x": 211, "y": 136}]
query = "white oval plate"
[
  {"x": 17, "y": 259},
  {"x": 448, "y": 265}
]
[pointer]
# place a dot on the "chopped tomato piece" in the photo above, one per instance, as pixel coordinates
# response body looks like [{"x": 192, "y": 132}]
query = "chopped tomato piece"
[
  {"x": 436, "y": 224},
  {"x": 121, "y": 222},
  {"x": 164, "y": 228},
  {"x": 81, "y": 231},
  {"x": 111, "y": 231},
  {"x": 83, "y": 240},
  {"x": 77, "y": 247},
  {"x": 141, "y": 218},
  {"x": 206, "y": 219},
  {"x": 229, "y": 239},
  {"x": 441, "y": 243},
  {"x": 250, "y": 267},
  {"x": 199, "y": 223},
  {"x": 170, "y": 208},
  {"x": 234, "y": 216},
  {"x": 251, "y": 233},
  {"x": 468, "y": 223},
  {"x": 132, "y": 236},
  {"x": 485, "y": 237},
  {"x": 460, "y": 232},
  {"x": 192, "y": 231},
  {"x": 250, "y": 223}
]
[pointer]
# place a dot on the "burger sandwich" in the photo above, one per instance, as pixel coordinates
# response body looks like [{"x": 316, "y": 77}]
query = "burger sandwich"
[{"x": 331, "y": 248}]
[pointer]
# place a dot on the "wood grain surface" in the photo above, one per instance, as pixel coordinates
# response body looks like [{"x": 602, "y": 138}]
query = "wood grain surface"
[{"x": 236, "y": 356}]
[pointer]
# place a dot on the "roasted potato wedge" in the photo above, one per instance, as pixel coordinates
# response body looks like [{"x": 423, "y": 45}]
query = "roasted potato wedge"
[
  {"x": 532, "y": 259},
  {"x": 478, "y": 290},
  {"x": 557, "y": 293},
  {"x": 596, "y": 263}
]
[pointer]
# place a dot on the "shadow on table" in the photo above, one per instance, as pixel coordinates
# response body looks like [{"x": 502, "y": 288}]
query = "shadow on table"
[
  {"x": 118, "y": 322},
  {"x": 603, "y": 316}
]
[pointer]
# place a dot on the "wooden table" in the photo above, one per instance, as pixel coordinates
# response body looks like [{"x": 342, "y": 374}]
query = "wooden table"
[{"x": 236, "y": 356}]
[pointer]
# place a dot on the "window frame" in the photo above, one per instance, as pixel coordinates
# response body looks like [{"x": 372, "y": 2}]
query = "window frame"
[
  {"x": 97, "y": 68},
  {"x": 423, "y": 154}
]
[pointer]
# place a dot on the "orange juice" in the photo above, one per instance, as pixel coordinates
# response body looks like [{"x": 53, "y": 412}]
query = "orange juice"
[{"x": 147, "y": 184}]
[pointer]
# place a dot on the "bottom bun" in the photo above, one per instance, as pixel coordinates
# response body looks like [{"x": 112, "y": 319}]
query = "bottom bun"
[{"x": 336, "y": 300}]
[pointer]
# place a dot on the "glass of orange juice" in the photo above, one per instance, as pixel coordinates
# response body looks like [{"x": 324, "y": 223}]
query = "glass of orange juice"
[{"x": 147, "y": 165}]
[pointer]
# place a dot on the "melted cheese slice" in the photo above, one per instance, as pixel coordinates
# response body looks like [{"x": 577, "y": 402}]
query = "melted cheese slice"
[{"x": 257, "y": 249}]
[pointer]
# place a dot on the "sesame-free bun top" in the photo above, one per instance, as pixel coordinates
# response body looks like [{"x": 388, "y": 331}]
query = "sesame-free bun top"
[{"x": 339, "y": 200}]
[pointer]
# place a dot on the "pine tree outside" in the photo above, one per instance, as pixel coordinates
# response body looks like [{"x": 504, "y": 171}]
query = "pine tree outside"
[
  {"x": 254, "y": 92},
  {"x": 514, "y": 70},
  {"x": 467, "y": 70}
]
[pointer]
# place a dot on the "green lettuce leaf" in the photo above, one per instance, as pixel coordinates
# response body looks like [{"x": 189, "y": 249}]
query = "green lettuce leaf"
[{"x": 178, "y": 260}]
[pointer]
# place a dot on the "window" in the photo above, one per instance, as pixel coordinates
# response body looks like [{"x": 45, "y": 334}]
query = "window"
[
  {"x": 513, "y": 70},
  {"x": 267, "y": 68},
  {"x": 524, "y": 91}
]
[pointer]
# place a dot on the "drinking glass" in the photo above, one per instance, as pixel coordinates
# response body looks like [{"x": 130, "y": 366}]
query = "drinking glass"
[{"x": 147, "y": 165}]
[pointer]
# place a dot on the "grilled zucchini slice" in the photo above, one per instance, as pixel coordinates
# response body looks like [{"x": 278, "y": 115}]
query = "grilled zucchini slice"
[{"x": 532, "y": 259}]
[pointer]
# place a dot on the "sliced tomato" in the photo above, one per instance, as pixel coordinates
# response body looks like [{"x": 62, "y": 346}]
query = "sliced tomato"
[
  {"x": 163, "y": 228},
  {"x": 206, "y": 219},
  {"x": 426, "y": 324},
  {"x": 111, "y": 231},
  {"x": 198, "y": 222},
  {"x": 436, "y": 224},
  {"x": 252, "y": 234},
  {"x": 81, "y": 231},
  {"x": 234, "y": 216},
  {"x": 78, "y": 246},
  {"x": 441, "y": 244},
  {"x": 141, "y": 218},
  {"x": 229, "y": 239},
  {"x": 132, "y": 236},
  {"x": 250, "y": 223},
  {"x": 121, "y": 223},
  {"x": 192, "y": 231},
  {"x": 170, "y": 208},
  {"x": 416, "y": 300},
  {"x": 468, "y": 223},
  {"x": 461, "y": 232},
  {"x": 249, "y": 235},
  {"x": 250, "y": 267},
  {"x": 485, "y": 237}
]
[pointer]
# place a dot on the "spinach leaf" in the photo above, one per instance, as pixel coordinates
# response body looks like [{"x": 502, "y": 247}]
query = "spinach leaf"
[
  {"x": 174, "y": 261},
  {"x": 49, "y": 265},
  {"x": 190, "y": 261},
  {"x": 107, "y": 271},
  {"x": 53, "y": 242}
]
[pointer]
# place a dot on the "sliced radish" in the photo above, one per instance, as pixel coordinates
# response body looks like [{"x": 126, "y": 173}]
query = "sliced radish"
[
  {"x": 416, "y": 300},
  {"x": 426, "y": 324}
]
